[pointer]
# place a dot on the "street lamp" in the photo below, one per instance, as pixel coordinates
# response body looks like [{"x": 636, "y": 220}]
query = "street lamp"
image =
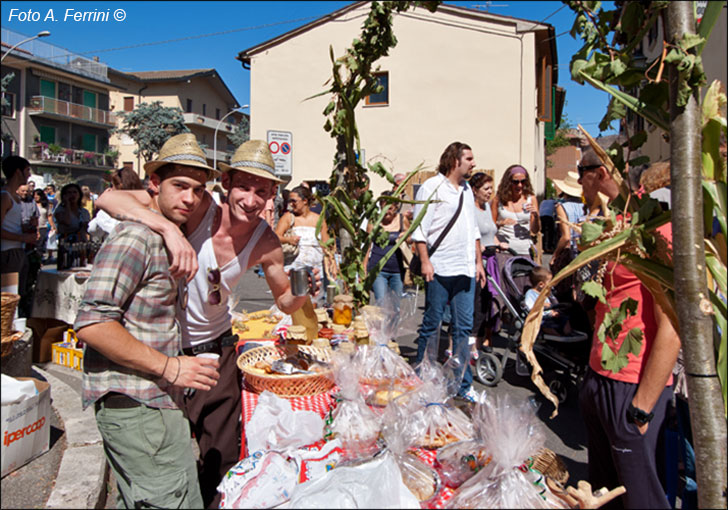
[
  {"x": 44, "y": 33},
  {"x": 214, "y": 143}
]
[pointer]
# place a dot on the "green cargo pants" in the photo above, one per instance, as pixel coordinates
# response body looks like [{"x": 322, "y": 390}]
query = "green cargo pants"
[{"x": 150, "y": 453}]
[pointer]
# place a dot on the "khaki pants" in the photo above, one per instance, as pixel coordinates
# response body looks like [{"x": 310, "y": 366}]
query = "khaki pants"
[{"x": 150, "y": 453}]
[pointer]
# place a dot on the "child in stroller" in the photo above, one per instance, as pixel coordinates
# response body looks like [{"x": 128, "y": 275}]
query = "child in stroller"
[
  {"x": 562, "y": 356},
  {"x": 553, "y": 322}
]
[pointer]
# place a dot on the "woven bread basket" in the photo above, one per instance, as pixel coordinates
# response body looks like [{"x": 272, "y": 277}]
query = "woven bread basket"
[
  {"x": 7, "y": 313},
  {"x": 294, "y": 385},
  {"x": 550, "y": 465}
]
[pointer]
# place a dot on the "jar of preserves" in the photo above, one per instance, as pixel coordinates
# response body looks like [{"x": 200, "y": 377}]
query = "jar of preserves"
[
  {"x": 297, "y": 335},
  {"x": 343, "y": 309}
]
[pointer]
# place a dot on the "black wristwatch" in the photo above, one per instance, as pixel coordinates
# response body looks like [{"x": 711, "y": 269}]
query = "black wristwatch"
[{"x": 638, "y": 416}]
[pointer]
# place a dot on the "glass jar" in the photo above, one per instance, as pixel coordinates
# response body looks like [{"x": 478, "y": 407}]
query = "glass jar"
[{"x": 343, "y": 309}]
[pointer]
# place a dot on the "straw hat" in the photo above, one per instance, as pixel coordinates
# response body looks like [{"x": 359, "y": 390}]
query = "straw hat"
[
  {"x": 570, "y": 185},
  {"x": 254, "y": 158},
  {"x": 181, "y": 149}
]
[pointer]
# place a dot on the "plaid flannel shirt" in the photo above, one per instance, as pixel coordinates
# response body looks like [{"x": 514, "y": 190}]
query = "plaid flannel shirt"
[{"x": 130, "y": 283}]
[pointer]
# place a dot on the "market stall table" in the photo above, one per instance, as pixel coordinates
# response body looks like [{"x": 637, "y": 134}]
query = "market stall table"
[{"x": 58, "y": 294}]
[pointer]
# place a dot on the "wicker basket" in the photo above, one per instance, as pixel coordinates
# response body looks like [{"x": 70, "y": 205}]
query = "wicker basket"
[
  {"x": 7, "y": 313},
  {"x": 295, "y": 385},
  {"x": 550, "y": 465}
]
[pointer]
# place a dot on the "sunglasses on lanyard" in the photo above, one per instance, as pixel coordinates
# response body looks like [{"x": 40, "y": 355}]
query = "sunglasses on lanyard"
[{"x": 213, "y": 293}]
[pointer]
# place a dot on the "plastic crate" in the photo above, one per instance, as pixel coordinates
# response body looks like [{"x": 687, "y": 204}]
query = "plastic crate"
[{"x": 66, "y": 354}]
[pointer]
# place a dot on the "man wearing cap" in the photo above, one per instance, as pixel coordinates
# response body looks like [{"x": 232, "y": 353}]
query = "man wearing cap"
[
  {"x": 624, "y": 412},
  {"x": 239, "y": 241},
  {"x": 132, "y": 371}
]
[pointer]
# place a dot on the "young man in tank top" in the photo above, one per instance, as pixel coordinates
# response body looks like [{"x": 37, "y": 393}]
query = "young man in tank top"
[
  {"x": 225, "y": 241},
  {"x": 16, "y": 171}
]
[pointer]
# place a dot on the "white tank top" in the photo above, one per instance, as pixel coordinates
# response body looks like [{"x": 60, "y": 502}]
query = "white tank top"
[
  {"x": 13, "y": 223},
  {"x": 201, "y": 322}
]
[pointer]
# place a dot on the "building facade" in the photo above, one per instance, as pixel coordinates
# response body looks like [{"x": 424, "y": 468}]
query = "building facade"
[
  {"x": 200, "y": 94},
  {"x": 456, "y": 74},
  {"x": 56, "y": 112},
  {"x": 714, "y": 65}
]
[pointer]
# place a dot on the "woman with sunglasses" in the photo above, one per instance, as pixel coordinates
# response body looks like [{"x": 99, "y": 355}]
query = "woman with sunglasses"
[
  {"x": 302, "y": 222},
  {"x": 515, "y": 211}
]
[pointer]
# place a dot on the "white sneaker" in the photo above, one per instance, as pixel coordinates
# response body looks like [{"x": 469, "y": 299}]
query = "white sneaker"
[{"x": 471, "y": 396}]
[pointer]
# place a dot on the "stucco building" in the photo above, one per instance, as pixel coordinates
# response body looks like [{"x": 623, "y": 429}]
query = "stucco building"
[
  {"x": 456, "y": 74},
  {"x": 200, "y": 94},
  {"x": 56, "y": 112}
]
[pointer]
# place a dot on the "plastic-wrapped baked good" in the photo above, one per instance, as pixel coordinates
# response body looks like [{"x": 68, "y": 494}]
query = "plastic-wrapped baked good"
[
  {"x": 430, "y": 414},
  {"x": 420, "y": 479},
  {"x": 353, "y": 422},
  {"x": 459, "y": 461},
  {"x": 514, "y": 434}
]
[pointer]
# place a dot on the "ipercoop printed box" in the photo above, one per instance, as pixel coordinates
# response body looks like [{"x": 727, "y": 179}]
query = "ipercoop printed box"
[{"x": 26, "y": 428}]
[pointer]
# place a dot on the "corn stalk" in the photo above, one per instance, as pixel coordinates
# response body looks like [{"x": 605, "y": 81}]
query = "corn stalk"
[{"x": 349, "y": 203}]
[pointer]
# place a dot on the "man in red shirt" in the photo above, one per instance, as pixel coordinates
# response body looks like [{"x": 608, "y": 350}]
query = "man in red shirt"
[{"x": 624, "y": 412}]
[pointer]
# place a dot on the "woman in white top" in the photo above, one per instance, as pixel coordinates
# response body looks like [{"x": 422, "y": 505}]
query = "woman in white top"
[
  {"x": 102, "y": 224},
  {"x": 515, "y": 211},
  {"x": 302, "y": 222},
  {"x": 46, "y": 224}
]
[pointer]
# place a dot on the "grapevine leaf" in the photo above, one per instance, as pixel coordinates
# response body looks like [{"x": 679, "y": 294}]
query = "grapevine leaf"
[
  {"x": 590, "y": 232},
  {"x": 595, "y": 290},
  {"x": 632, "y": 343}
]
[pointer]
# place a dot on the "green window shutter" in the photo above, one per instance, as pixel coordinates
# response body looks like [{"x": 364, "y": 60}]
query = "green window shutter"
[
  {"x": 89, "y": 143},
  {"x": 550, "y": 128},
  {"x": 89, "y": 99},
  {"x": 47, "y": 88},
  {"x": 47, "y": 134}
]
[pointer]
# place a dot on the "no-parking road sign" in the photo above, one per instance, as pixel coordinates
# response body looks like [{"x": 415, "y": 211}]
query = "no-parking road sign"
[{"x": 280, "y": 144}]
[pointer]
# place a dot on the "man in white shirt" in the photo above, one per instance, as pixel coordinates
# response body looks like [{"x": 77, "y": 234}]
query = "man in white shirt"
[{"x": 451, "y": 271}]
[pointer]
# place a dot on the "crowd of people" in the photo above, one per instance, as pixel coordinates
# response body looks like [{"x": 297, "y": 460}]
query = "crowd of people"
[{"x": 159, "y": 297}]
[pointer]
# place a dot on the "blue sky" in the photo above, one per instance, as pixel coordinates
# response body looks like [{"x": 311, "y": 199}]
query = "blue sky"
[{"x": 173, "y": 27}]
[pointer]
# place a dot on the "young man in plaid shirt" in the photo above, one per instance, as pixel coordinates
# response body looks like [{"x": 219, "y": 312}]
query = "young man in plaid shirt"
[{"x": 132, "y": 371}]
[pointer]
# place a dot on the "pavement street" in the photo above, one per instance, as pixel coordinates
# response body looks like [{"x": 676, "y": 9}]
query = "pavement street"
[{"x": 34, "y": 485}]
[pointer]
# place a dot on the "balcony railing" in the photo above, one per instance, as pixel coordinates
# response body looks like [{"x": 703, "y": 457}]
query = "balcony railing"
[
  {"x": 43, "y": 152},
  {"x": 41, "y": 51},
  {"x": 76, "y": 111},
  {"x": 200, "y": 120}
]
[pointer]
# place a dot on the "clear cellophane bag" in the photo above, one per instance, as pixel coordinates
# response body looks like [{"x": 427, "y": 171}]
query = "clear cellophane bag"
[
  {"x": 513, "y": 435},
  {"x": 352, "y": 422},
  {"x": 431, "y": 414},
  {"x": 421, "y": 479},
  {"x": 382, "y": 368}
]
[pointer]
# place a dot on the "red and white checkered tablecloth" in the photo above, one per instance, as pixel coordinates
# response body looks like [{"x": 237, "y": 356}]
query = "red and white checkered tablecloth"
[{"x": 320, "y": 404}]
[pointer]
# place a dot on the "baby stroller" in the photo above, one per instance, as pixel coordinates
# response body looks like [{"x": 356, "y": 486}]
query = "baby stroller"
[{"x": 563, "y": 358}]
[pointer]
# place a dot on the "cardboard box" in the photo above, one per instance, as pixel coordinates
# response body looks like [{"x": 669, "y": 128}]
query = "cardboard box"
[
  {"x": 45, "y": 333},
  {"x": 26, "y": 428}
]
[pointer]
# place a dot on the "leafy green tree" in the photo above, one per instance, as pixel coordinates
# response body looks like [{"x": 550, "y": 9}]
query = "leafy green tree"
[
  {"x": 150, "y": 125},
  {"x": 4, "y": 84},
  {"x": 241, "y": 133}
]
